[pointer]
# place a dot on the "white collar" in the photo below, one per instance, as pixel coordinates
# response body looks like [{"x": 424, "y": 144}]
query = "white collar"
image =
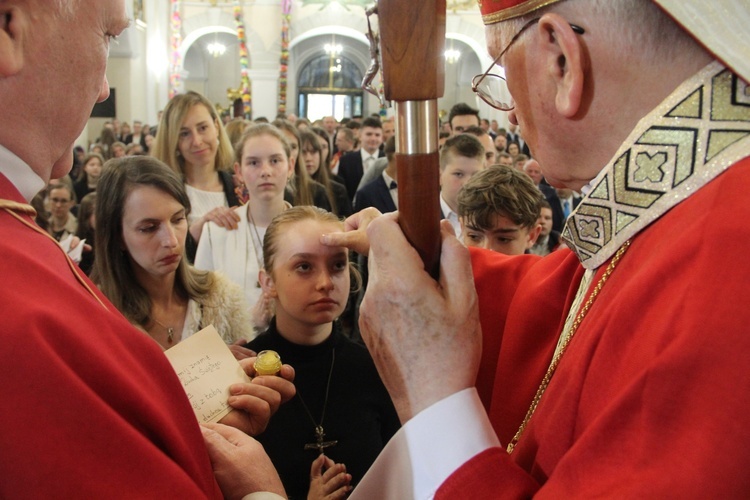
[
  {"x": 20, "y": 174},
  {"x": 366, "y": 155}
]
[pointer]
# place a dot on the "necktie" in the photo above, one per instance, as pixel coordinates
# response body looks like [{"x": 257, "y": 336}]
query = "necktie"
[
  {"x": 393, "y": 185},
  {"x": 369, "y": 161},
  {"x": 566, "y": 208}
]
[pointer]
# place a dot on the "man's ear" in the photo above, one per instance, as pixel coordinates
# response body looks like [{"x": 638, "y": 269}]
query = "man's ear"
[
  {"x": 12, "y": 22},
  {"x": 267, "y": 284},
  {"x": 533, "y": 235},
  {"x": 565, "y": 57}
]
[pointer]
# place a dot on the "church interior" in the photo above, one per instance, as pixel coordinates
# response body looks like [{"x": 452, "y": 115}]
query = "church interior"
[{"x": 262, "y": 58}]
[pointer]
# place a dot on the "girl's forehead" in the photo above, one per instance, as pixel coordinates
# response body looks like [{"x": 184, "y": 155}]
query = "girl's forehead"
[
  {"x": 310, "y": 227},
  {"x": 304, "y": 236},
  {"x": 266, "y": 140}
]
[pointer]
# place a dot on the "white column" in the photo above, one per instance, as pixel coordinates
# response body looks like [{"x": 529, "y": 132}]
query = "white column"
[{"x": 265, "y": 88}]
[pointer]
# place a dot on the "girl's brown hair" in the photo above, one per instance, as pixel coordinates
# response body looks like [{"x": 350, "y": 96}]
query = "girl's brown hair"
[
  {"x": 113, "y": 271},
  {"x": 309, "y": 139}
]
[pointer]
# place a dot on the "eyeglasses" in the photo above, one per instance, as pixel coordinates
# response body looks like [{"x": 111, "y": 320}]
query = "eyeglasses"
[{"x": 488, "y": 85}]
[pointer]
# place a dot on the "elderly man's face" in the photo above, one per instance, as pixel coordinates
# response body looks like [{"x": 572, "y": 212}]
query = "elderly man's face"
[
  {"x": 329, "y": 123},
  {"x": 86, "y": 32},
  {"x": 532, "y": 170}
]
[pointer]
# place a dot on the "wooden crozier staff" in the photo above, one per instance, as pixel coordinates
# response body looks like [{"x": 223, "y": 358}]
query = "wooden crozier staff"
[{"x": 412, "y": 43}]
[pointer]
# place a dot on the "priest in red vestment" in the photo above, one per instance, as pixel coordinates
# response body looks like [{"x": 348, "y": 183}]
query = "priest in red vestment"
[
  {"x": 91, "y": 407},
  {"x": 616, "y": 368}
]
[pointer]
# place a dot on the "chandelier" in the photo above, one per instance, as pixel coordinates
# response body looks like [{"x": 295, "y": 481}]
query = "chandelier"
[
  {"x": 452, "y": 55},
  {"x": 216, "y": 49}
]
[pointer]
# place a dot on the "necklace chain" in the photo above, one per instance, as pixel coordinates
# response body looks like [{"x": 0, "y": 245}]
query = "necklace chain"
[
  {"x": 258, "y": 253},
  {"x": 169, "y": 329},
  {"x": 320, "y": 445},
  {"x": 566, "y": 341}
]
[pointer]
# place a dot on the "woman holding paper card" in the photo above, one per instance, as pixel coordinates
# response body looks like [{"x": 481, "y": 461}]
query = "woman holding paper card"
[
  {"x": 140, "y": 264},
  {"x": 341, "y": 408}
]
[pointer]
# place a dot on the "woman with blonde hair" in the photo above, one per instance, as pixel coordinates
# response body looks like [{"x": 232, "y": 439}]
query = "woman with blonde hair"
[
  {"x": 192, "y": 141},
  {"x": 141, "y": 227}
]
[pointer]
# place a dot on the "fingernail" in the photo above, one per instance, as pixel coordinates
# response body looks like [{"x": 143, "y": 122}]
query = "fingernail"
[{"x": 232, "y": 400}]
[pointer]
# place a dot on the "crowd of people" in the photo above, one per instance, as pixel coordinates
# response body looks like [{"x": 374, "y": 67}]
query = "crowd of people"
[{"x": 551, "y": 357}]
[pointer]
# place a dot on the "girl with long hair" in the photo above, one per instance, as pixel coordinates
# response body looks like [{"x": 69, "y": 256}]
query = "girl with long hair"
[
  {"x": 141, "y": 227},
  {"x": 312, "y": 156},
  {"x": 192, "y": 141}
]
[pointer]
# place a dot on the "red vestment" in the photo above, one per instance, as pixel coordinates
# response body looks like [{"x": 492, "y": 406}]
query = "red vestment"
[
  {"x": 651, "y": 396},
  {"x": 92, "y": 407}
]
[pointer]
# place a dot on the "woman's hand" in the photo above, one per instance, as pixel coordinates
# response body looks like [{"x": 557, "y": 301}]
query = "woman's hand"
[
  {"x": 221, "y": 216},
  {"x": 258, "y": 399},
  {"x": 241, "y": 352}
]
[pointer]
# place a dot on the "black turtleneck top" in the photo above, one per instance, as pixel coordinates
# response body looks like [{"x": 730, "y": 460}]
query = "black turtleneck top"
[{"x": 359, "y": 415}]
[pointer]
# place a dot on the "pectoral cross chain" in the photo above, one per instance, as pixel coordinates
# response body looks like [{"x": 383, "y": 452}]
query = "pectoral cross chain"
[{"x": 319, "y": 443}]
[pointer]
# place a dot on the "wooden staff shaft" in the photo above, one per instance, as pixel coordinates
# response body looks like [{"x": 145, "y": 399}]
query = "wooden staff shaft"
[{"x": 412, "y": 40}]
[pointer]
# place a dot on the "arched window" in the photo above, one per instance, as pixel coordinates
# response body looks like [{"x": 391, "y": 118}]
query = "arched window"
[{"x": 330, "y": 84}]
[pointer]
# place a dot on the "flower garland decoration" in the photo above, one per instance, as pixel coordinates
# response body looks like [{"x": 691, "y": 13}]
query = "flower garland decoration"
[
  {"x": 286, "y": 16},
  {"x": 176, "y": 41},
  {"x": 245, "y": 92}
]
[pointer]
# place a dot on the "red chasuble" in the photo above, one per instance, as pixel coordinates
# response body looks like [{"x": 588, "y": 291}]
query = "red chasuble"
[
  {"x": 651, "y": 398},
  {"x": 91, "y": 407}
]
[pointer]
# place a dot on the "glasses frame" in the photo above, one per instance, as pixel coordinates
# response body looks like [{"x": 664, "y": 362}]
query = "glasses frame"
[{"x": 478, "y": 79}]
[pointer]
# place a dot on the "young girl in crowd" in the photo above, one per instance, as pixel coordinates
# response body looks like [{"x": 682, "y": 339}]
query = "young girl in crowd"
[
  {"x": 302, "y": 189},
  {"x": 85, "y": 231},
  {"x": 88, "y": 175},
  {"x": 312, "y": 157},
  {"x": 325, "y": 145},
  {"x": 262, "y": 162},
  {"x": 141, "y": 226},
  {"x": 61, "y": 222},
  {"x": 341, "y": 408},
  {"x": 193, "y": 142}
]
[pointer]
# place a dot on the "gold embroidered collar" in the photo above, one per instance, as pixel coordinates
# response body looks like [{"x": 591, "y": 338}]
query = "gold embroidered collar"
[{"x": 697, "y": 133}]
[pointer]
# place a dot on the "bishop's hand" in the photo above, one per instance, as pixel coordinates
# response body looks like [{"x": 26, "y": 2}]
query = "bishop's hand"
[
  {"x": 240, "y": 464},
  {"x": 428, "y": 345}
]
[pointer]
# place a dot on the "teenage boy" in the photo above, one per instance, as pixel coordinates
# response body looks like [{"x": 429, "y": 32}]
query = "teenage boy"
[
  {"x": 461, "y": 157},
  {"x": 498, "y": 209}
]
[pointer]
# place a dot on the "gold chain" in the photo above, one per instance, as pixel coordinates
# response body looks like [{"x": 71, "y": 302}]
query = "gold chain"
[{"x": 566, "y": 341}]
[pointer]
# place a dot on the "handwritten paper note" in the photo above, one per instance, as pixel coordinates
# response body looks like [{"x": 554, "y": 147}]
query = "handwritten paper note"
[{"x": 206, "y": 368}]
